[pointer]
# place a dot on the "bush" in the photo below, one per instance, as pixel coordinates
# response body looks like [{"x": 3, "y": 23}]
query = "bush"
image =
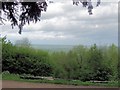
[
  {"x": 102, "y": 74},
  {"x": 20, "y": 60}
]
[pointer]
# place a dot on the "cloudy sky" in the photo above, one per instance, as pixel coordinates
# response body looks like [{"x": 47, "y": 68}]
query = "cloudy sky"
[{"x": 66, "y": 24}]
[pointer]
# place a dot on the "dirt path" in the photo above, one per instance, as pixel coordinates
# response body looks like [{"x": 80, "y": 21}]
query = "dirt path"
[{"x": 16, "y": 84}]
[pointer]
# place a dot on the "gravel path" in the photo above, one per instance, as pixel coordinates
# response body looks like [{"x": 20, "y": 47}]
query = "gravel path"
[{"x": 16, "y": 84}]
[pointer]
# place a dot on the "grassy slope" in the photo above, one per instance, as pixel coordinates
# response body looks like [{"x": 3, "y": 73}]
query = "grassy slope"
[{"x": 65, "y": 82}]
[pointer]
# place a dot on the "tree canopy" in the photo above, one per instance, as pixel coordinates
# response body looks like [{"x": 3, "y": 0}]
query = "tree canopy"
[{"x": 21, "y": 12}]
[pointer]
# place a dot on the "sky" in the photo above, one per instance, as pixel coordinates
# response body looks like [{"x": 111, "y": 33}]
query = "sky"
[{"x": 65, "y": 24}]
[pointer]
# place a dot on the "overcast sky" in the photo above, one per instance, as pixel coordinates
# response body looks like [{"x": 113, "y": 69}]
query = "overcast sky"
[{"x": 66, "y": 24}]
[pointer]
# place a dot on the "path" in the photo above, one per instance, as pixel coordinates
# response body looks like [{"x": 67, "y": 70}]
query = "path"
[{"x": 16, "y": 84}]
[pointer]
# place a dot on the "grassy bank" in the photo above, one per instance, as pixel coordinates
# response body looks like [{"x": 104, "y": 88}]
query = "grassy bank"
[{"x": 58, "y": 81}]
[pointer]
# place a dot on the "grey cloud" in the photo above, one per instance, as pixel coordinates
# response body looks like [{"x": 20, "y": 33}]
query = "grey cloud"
[{"x": 75, "y": 23}]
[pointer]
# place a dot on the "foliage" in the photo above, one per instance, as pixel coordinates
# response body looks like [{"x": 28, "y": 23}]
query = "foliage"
[
  {"x": 86, "y": 3},
  {"x": 20, "y": 13},
  {"x": 86, "y": 63},
  {"x": 23, "y": 42},
  {"x": 25, "y": 60},
  {"x": 81, "y": 63},
  {"x": 30, "y": 11}
]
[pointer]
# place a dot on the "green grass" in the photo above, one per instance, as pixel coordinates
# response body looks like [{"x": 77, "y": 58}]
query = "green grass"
[{"x": 59, "y": 81}]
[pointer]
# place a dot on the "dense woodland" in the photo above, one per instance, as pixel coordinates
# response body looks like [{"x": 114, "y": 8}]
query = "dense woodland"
[{"x": 80, "y": 63}]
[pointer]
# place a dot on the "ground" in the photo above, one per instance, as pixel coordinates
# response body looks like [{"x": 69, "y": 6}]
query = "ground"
[{"x": 16, "y": 84}]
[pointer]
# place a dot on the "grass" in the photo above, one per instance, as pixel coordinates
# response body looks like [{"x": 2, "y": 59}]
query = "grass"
[{"x": 59, "y": 81}]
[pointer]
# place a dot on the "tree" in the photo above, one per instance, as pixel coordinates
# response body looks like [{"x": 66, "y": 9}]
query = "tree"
[
  {"x": 95, "y": 62},
  {"x": 86, "y": 3},
  {"x": 31, "y": 11},
  {"x": 23, "y": 42}
]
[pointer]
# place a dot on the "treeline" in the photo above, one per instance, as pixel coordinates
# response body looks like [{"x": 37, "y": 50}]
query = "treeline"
[
  {"x": 87, "y": 63},
  {"x": 81, "y": 63}
]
